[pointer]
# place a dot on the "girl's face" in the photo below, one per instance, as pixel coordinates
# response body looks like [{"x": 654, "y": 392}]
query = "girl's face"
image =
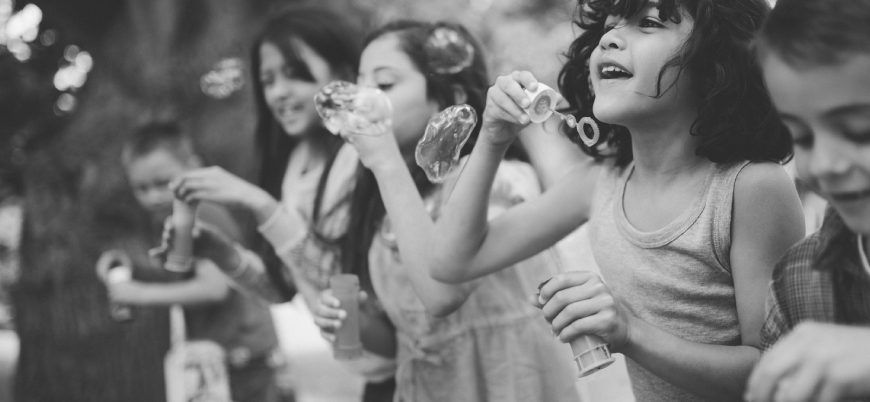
[
  {"x": 385, "y": 66},
  {"x": 827, "y": 111},
  {"x": 625, "y": 66},
  {"x": 290, "y": 98}
]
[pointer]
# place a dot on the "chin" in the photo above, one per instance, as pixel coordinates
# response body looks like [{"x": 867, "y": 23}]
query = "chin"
[
  {"x": 296, "y": 128},
  {"x": 857, "y": 221}
]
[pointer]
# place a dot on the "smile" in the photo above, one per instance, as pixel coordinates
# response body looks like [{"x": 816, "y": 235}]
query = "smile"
[
  {"x": 849, "y": 196},
  {"x": 613, "y": 71}
]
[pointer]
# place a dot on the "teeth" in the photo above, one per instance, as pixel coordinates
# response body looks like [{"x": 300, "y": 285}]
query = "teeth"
[{"x": 613, "y": 69}]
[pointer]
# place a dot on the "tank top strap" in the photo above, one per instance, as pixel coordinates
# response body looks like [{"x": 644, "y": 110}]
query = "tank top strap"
[{"x": 720, "y": 198}]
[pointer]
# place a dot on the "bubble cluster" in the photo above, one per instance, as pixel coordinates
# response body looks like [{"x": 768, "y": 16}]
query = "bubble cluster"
[
  {"x": 448, "y": 51},
  {"x": 438, "y": 151},
  {"x": 360, "y": 110},
  {"x": 227, "y": 77}
]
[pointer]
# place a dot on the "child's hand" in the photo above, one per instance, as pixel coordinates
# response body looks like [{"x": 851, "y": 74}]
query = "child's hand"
[
  {"x": 111, "y": 258},
  {"x": 216, "y": 185},
  {"x": 328, "y": 315},
  {"x": 579, "y": 303},
  {"x": 208, "y": 242},
  {"x": 815, "y": 362},
  {"x": 504, "y": 115},
  {"x": 128, "y": 292},
  {"x": 376, "y": 152}
]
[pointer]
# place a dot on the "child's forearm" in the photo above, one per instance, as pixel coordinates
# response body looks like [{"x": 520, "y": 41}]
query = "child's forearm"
[
  {"x": 247, "y": 271},
  {"x": 714, "y": 372},
  {"x": 462, "y": 225},
  {"x": 415, "y": 234},
  {"x": 206, "y": 287}
]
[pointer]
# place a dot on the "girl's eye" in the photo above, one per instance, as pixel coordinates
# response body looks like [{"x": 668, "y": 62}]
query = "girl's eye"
[
  {"x": 385, "y": 87},
  {"x": 267, "y": 80},
  {"x": 858, "y": 138},
  {"x": 803, "y": 141},
  {"x": 650, "y": 22}
]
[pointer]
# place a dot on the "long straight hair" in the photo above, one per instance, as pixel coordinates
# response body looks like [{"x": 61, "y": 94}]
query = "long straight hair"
[{"x": 332, "y": 37}]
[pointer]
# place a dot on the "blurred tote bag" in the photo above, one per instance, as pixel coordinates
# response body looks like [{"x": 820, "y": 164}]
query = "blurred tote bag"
[{"x": 194, "y": 370}]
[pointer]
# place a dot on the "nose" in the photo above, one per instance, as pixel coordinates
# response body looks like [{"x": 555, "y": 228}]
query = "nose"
[
  {"x": 612, "y": 39},
  {"x": 829, "y": 157},
  {"x": 281, "y": 89}
]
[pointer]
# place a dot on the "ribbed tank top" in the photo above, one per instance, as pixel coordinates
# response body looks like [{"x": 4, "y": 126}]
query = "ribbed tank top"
[{"x": 677, "y": 278}]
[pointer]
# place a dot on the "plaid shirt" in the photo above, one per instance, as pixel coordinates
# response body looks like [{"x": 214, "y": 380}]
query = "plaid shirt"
[{"x": 820, "y": 279}]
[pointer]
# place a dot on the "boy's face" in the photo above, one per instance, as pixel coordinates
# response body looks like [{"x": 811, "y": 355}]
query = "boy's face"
[
  {"x": 827, "y": 110},
  {"x": 149, "y": 176}
]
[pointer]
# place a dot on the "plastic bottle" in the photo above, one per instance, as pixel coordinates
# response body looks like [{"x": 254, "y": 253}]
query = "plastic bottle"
[
  {"x": 345, "y": 288},
  {"x": 119, "y": 273},
  {"x": 180, "y": 258},
  {"x": 590, "y": 352}
]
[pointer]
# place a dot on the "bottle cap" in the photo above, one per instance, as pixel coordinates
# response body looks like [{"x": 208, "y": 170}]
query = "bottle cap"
[
  {"x": 344, "y": 283},
  {"x": 543, "y": 102},
  {"x": 591, "y": 354}
]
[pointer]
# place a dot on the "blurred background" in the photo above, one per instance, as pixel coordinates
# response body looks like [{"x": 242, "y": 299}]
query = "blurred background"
[{"x": 74, "y": 76}]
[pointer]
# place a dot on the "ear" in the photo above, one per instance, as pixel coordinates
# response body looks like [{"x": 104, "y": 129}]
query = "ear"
[{"x": 459, "y": 94}]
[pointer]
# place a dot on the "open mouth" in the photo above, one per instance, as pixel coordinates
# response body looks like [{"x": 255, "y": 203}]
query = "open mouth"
[
  {"x": 849, "y": 196},
  {"x": 613, "y": 71},
  {"x": 289, "y": 110}
]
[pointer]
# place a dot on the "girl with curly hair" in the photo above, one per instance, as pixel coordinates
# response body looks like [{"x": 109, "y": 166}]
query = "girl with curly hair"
[{"x": 687, "y": 204}]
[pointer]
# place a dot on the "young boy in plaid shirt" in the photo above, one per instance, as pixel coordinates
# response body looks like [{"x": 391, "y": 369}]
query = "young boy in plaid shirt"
[{"x": 816, "y": 61}]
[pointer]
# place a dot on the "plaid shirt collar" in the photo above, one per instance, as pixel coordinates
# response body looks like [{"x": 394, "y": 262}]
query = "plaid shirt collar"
[{"x": 838, "y": 246}]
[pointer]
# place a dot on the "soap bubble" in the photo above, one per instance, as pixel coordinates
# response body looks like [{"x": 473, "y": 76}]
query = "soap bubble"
[
  {"x": 226, "y": 77},
  {"x": 438, "y": 150},
  {"x": 361, "y": 110},
  {"x": 448, "y": 51}
]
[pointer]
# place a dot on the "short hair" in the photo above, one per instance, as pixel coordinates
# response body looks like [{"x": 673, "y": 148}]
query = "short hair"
[
  {"x": 166, "y": 136},
  {"x": 815, "y": 32}
]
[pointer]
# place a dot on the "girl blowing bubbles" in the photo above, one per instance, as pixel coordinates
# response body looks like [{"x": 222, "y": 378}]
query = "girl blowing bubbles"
[
  {"x": 688, "y": 210},
  {"x": 476, "y": 341}
]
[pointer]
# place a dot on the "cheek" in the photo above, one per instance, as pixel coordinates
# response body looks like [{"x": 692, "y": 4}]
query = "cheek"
[{"x": 802, "y": 164}]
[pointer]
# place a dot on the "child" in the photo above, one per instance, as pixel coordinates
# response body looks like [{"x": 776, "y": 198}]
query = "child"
[
  {"x": 687, "y": 213},
  {"x": 298, "y": 52},
  {"x": 816, "y": 61},
  {"x": 470, "y": 342},
  {"x": 153, "y": 156}
]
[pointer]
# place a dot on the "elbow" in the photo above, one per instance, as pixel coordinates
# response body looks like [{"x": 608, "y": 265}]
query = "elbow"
[
  {"x": 445, "y": 306},
  {"x": 453, "y": 274},
  {"x": 217, "y": 294}
]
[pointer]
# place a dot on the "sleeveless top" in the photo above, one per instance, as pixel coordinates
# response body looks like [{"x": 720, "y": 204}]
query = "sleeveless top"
[
  {"x": 497, "y": 347},
  {"x": 677, "y": 278}
]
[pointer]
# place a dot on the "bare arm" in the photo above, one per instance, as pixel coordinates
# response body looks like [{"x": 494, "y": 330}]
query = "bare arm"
[
  {"x": 207, "y": 286},
  {"x": 467, "y": 245}
]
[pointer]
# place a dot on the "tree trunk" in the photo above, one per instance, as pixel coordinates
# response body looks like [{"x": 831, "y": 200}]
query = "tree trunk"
[{"x": 148, "y": 65}]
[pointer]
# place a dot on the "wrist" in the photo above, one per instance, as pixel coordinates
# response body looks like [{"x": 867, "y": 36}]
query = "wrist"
[
  {"x": 492, "y": 144},
  {"x": 262, "y": 205}
]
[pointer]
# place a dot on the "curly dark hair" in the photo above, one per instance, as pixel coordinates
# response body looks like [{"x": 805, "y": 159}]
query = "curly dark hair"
[{"x": 736, "y": 118}]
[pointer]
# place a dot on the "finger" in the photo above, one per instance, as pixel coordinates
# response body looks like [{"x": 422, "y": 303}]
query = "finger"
[
  {"x": 506, "y": 108},
  {"x": 566, "y": 280},
  {"x": 533, "y": 300},
  {"x": 567, "y": 297},
  {"x": 513, "y": 91},
  {"x": 830, "y": 392},
  {"x": 587, "y": 326},
  {"x": 767, "y": 374},
  {"x": 329, "y": 337},
  {"x": 526, "y": 79},
  {"x": 575, "y": 311},
  {"x": 363, "y": 296},
  {"x": 325, "y": 323},
  {"x": 801, "y": 385}
]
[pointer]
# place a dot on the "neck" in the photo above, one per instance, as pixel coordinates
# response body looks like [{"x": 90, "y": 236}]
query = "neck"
[{"x": 665, "y": 146}]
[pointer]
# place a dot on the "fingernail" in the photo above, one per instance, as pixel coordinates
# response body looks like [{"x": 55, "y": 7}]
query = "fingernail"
[
  {"x": 524, "y": 119},
  {"x": 526, "y": 102},
  {"x": 533, "y": 85},
  {"x": 342, "y": 314}
]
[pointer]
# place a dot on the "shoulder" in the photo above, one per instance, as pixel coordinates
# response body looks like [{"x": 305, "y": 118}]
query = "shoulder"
[
  {"x": 764, "y": 190},
  {"x": 763, "y": 178}
]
